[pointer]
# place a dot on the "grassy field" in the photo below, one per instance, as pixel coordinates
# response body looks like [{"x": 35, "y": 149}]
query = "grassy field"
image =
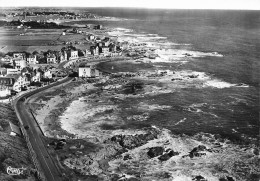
[{"x": 39, "y": 40}]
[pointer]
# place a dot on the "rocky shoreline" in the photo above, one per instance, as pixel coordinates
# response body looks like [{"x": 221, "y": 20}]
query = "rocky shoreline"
[{"x": 92, "y": 116}]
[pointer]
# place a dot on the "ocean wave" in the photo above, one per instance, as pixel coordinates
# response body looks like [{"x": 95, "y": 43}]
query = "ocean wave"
[
  {"x": 186, "y": 53},
  {"x": 219, "y": 154},
  {"x": 152, "y": 107},
  {"x": 219, "y": 84},
  {"x": 201, "y": 108},
  {"x": 181, "y": 121},
  {"x": 123, "y": 29}
]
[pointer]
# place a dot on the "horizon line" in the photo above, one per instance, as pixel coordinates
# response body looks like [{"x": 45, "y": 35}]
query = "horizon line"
[{"x": 127, "y": 8}]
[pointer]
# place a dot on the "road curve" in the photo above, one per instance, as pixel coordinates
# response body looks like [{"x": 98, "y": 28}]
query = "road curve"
[{"x": 45, "y": 164}]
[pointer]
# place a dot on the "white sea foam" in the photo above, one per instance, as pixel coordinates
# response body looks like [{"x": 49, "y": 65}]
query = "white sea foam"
[
  {"x": 219, "y": 84},
  {"x": 80, "y": 119},
  {"x": 180, "y": 168},
  {"x": 123, "y": 29},
  {"x": 185, "y": 53},
  {"x": 181, "y": 121},
  {"x": 152, "y": 107}
]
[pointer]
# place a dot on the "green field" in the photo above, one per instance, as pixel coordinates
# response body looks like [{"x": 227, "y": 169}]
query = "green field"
[{"x": 39, "y": 40}]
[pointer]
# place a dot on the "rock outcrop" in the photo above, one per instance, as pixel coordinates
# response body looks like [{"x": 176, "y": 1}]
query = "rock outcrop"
[{"x": 132, "y": 141}]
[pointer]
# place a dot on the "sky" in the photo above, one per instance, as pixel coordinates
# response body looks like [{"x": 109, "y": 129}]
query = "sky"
[{"x": 162, "y": 4}]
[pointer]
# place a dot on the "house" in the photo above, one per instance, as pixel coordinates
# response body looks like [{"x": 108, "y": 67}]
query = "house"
[
  {"x": 7, "y": 81},
  {"x": 23, "y": 81},
  {"x": 62, "y": 56},
  {"x": 27, "y": 71},
  {"x": 73, "y": 54},
  {"x": 7, "y": 60},
  {"x": 36, "y": 76},
  {"x": 88, "y": 71},
  {"x": 112, "y": 47},
  {"x": 12, "y": 71},
  {"x": 98, "y": 27},
  {"x": 15, "y": 130},
  {"x": 104, "y": 50},
  {"x": 5, "y": 91},
  {"x": 106, "y": 41},
  {"x": 6, "y": 84},
  {"x": 47, "y": 74},
  {"x": 3, "y": 72},
  {"x": 91, "y": 37},
  {"x": 19, "y": 63},
  {"x": 51, "y": 58},
  {"x": 32, "y": 59},
  {"x": 94, "y": 50},
  {"x": 19, "y": 56},
  {"x": 87, "y": 52}
]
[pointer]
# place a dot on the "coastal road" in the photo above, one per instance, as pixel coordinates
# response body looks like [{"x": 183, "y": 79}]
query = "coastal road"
[{"x": 45, "y": 163}]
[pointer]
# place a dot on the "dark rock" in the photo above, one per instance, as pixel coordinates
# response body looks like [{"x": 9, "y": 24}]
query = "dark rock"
[
  {"x": 199, "y": 148},
  {"x": 172, "y": 153},
  {"x": 127, "y": 157},
  {"x": 168, "y": 155},
  {"x": 196, "y": 150},
  {"x": 196, "y": 154},
  {"x": 193, "y": 76},
  {"x": 132, "y": 141},
  {"x": 132, "y": 179},
  {"x": 173, "y": 79},
  {"x": 230, "y": 178},
  {"x": 155, "y": 151},
  {"x": 199, "y": 178},
  {"x": 164, "y": 157},
  {"x": 227, "y": 178}
]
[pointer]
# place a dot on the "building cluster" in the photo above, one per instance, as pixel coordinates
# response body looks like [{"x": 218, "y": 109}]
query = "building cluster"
[
  {"x": 104, "y": 47},
  {"x": 21, "y": 60},
  {"x": 21, "y": 76}
]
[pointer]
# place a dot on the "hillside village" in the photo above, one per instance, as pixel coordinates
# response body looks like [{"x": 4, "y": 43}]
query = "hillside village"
[{"x": 20, "y": 71}]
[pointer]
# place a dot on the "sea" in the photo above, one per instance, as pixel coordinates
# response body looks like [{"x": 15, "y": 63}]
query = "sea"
[
  {"x": 213, "y": 93},
  {"x": 226, "y": 45},
  {"x": 229, "y": 106}
]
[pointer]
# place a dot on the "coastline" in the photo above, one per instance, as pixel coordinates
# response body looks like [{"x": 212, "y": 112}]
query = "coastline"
[
  {"x": 128, "y": 125},
  {"x": 94, "y": 115}
]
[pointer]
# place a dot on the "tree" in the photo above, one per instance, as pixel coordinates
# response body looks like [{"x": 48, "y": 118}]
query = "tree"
[{"x": 35, "y": 52}]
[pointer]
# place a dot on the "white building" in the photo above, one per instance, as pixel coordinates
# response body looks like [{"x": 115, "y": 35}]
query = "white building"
[
  {"x": 94, "y": 50},
  {"x": 5, "y": 92},
  {"x": 19, "y": 56},
  {"x": 88, "y": 71},
  {"x": 104, "y": 51},
  {"x": 63, "y": 56},
  {"x": 20, "y": 64},
  {"x": 32, "y": 59},
  {"x": 7, "y": 59},
  {"x": 87, "y": 52},
  {"x": 73, "y": 54},
  {"x": 12, "y": 71},
  {"x": 48, "y": 74},
  {"x": 91, "y": 37},
  {"x": 51, "y": 59},
  {"x": 21, "y": 82},
  {"x": 36, "y": 77}
]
